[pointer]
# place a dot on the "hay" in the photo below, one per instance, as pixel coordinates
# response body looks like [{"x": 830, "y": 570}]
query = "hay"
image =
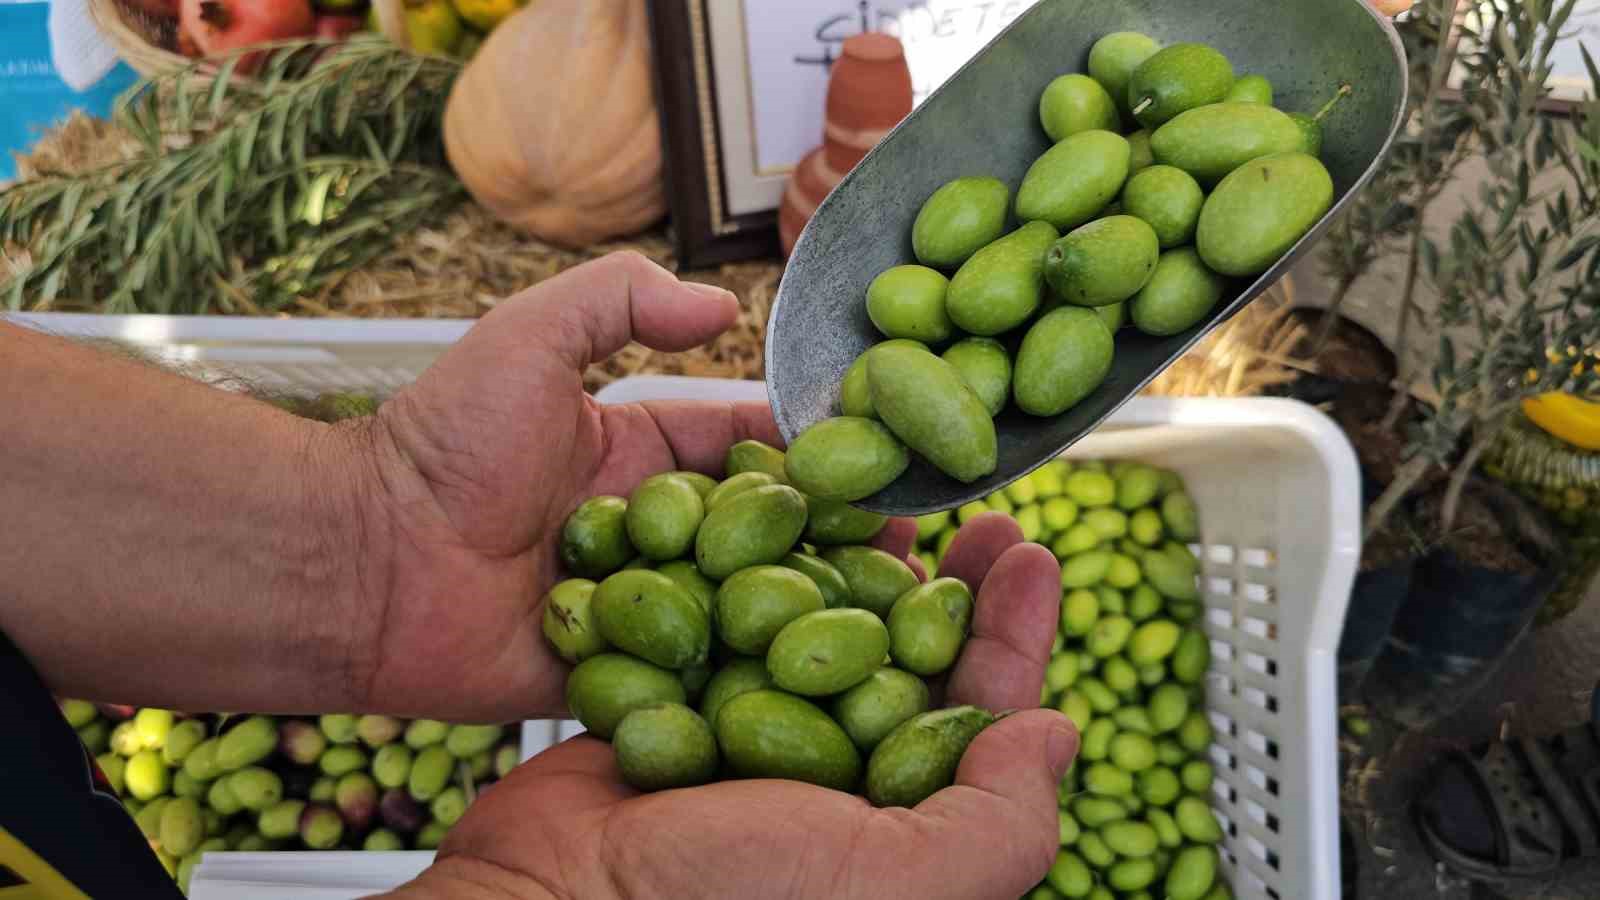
[
  {"x": 464, "y": 264},
  {"x": 1243, "y": 357}
]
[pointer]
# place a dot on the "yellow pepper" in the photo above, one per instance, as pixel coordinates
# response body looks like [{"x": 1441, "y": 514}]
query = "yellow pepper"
[{"x": 1572, "y": 419}]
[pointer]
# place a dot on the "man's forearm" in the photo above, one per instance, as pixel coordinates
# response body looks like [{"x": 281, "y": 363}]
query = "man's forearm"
[{"x": 167, "y": 543}]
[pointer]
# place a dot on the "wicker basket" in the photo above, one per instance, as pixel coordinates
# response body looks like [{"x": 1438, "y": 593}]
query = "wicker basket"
[{"x": 148, "y": 44}]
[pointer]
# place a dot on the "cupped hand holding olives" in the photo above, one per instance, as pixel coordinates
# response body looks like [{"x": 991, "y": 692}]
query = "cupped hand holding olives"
[{"x": 568, "y": 823}]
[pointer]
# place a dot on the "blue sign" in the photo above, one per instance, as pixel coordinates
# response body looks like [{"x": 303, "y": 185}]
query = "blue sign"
[{"x": 33, "y": 98}]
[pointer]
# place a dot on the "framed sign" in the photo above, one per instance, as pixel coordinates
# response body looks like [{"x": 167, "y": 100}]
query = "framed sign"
[{"x": 742, "y": 86}]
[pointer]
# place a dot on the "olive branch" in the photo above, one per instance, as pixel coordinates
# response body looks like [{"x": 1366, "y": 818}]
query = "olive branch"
[
  {"x": 1517, "y": 271},
  {"x": 247, "y": 192}
]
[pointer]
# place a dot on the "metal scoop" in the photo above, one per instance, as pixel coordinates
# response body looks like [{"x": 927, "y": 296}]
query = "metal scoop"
[{"x": 984, "y": 121}]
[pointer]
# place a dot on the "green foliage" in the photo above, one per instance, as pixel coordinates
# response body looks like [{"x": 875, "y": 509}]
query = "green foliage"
[
  {"x": 1517, "y": 278},
  {"x": 1425, "y": 157},
  {"x": 1517, "y": 271},
  {"x": 248, "y": 192}
]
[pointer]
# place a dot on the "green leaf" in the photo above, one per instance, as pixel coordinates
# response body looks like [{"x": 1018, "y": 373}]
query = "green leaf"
[
  {"x": 374, "y": 149},
  {"x": 276, "y": 127},
  {"x": 219, "y": 86},
  {"x": 278, "y": 216},
  {"x": 186, "y": 226},
  {"x": 297, "y": 148},
  {"x": 245, "y": 142},
  {"x": 1577, "y": 252},
  {"x": 343, "y": 108},
  {"x": 220, "y": 193},
  {"x": 398, "y": 121}
]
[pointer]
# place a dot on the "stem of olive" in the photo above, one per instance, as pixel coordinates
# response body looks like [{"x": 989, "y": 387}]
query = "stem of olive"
[
  {"x": 1344, "y": 91},
  {"x": 1144, "y": 104}
]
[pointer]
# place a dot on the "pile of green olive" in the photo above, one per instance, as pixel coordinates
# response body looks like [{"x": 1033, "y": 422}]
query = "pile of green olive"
[
  {"x": 742, "y": 629},
  {"x": 198, "y": 784}
]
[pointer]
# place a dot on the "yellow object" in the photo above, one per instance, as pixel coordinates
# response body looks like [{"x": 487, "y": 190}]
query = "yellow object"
[
  {"x": 484, "y": 15},
  {"x": 432, "y": 26},
  {"x": 553, "y": 126},
  {"x": 24, "y": 876},
  {"x": 1564, "y": 416}
]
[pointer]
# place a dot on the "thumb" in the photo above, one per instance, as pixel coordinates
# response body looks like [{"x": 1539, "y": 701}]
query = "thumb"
[
  {"x": 994, "y": 833},
  {"x": 590, "y": 312}
]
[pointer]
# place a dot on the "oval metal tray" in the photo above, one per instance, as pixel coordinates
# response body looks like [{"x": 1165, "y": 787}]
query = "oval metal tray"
[{"x": 984, "y": 121}]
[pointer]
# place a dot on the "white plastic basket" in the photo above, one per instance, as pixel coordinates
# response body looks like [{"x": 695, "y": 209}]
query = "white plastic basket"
[
  {"x": 1278, "y": 493},
  {"x": 376, "y": 356}
]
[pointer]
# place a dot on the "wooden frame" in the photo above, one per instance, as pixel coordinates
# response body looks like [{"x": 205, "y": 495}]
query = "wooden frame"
[{"x": 706, "y": 232}]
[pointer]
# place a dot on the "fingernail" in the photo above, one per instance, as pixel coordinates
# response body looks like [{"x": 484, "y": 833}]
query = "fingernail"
[
  {"x": 706, "y": 290},
  {"x": 1060, "y": 746}
]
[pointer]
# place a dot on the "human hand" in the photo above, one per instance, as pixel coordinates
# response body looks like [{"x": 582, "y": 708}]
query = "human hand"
[
  {"x": 472, "y": 471},
  {"x": 565, "y": 825}
]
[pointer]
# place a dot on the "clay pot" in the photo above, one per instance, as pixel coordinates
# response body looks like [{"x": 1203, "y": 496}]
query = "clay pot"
[
  {"x": 869, "y": 92},
  {"x": 810, "y": 184}
]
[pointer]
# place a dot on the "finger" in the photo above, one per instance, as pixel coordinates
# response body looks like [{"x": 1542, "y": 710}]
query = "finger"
[
  {"x": 583, "y": 757},
  {"x": 589, "y": 312},
  {"x": 575, "y": 756},
  {"x": 976, "y": 547},
  {"x": 917, "y": 568},
  {"x": 993, "y": 834},
  {"x": 576, "y": 776},
  {"x": 643, "y": 439},
  {"x": 898, "y": 538},
  {"x": 1013, "y": 625}
]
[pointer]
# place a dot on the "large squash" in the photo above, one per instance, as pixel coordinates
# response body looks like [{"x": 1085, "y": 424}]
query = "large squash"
[{"x": 553, "y": 126}]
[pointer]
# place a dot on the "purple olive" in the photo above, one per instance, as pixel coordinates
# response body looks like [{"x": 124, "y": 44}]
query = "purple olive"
[{"x": 401, "y": 813}]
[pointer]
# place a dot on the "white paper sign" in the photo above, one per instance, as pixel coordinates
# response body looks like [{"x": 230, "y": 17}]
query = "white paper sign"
[{"x": 773, "y": 118}]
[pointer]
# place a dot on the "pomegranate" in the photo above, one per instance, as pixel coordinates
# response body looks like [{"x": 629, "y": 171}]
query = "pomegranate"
[
  {"x": 337, "y": 28},
  {"x": 220, "y": 27},
  {"x": 161, "y": 9}
]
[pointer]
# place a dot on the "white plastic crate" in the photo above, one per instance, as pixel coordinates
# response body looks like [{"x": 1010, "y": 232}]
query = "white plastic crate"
[
  {"x": 376, "y": 356},
  {"x": 1275, "y": 482},
  {"x": 1278, "y": 493}
]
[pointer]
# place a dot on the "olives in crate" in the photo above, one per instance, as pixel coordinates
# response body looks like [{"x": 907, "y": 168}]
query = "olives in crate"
[{"x": 1129, "y": 670}]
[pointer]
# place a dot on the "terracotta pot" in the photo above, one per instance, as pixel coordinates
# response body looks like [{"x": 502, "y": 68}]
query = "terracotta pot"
[
  {"x": 810, "y": 184},
  {"x": 869, "y": 92}
]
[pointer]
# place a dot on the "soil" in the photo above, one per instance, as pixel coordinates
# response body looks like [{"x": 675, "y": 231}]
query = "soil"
[
  {"x": 1494, "y": 529},
  {"x": 1359, "y": 410},
  {"x": 1395, "y": 544},
  {"x": 1352, "y": 354}
]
